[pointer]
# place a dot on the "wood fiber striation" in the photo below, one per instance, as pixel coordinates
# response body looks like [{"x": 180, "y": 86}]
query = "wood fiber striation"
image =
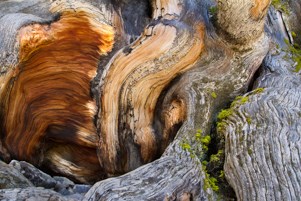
[{"x": 48, "y": 112}]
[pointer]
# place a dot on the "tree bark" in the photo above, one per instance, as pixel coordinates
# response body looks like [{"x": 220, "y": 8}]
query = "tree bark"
[{"x": 96, "y": 89}]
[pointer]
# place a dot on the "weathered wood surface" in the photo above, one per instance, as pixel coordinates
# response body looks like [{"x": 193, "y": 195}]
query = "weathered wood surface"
[
  {"x": 134, "y": 79},
  {"x": 20, "y": 180},
  {"x": 263, "y": 139},
  {"x": 12, "y": 178},
  {"x": 145, "y": 93},
  {"x": 292, "y": 20},
  {"x": 169, "y": 178},
  {"x": 31, "y": 193},
  {"x": 232, "y": 71},
  {"x": 199, "y": 102},
  {"x": 47, "y": 94},
  {"x": 263, "y": 135}
]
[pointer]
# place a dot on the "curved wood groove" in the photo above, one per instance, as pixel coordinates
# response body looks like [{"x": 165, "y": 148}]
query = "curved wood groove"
[{"x": 173, "y": 116}]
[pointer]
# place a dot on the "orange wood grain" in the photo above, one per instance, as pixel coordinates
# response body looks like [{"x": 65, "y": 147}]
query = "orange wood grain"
[
  {"x": 47, "y": 98},
  {"x": 259, "y": 9},
  {"x": 131, "y": 89}
]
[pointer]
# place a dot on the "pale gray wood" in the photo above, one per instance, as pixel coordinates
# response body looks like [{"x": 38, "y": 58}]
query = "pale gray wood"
[
  {"x": 263, "y": 146},
  {"x": 12, "y": 178},
  {"x": 9, "y": 26},
  {"x": 35, "y": 7},
  {"x": 32, "y": 193}
]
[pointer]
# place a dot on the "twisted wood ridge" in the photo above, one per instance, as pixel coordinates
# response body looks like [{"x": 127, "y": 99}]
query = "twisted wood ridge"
[
  {"x": 263, "y": 135},
  {"x": 263, "y": 141},
  {"x": 134, "y": 79},
  {"x": 219, "y": 69}
]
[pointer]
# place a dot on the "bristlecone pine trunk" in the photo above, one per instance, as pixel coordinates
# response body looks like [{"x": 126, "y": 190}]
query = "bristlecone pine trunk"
[{"x": 94, "y": 89}]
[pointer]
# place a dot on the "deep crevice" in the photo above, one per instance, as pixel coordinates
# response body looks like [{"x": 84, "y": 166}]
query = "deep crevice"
[
  {"x": 217, "y": 144},
  {"x": 158, "y": 123},
  {"x": 254, "y": 78},
  {"x": 216, "y": 168}
]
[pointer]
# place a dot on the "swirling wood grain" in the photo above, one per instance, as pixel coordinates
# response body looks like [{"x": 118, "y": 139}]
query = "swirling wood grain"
[
  {"x": 48, "y": 111},
  {"x": 132, "y": 83}
]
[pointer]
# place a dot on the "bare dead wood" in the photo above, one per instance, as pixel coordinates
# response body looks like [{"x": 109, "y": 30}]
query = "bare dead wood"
[
  {"x": 155, "y": 89},
  {"x": 263, "y": 135},
  {"x": 32, "y": 193},
  {"x": 133, "y": 81},
  {"x": 56, "y": 63}
]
